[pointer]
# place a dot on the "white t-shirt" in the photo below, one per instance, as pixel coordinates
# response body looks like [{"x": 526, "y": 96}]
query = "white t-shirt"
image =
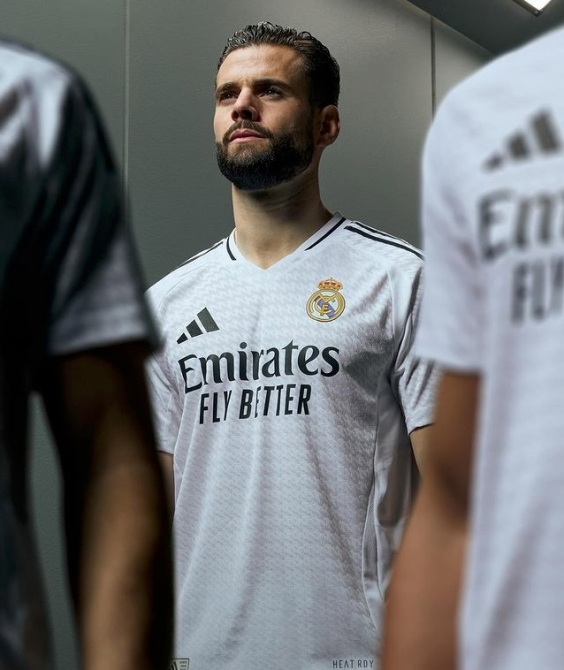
[
  {"x": 286, "y": 397},
  {"x": 493, "y": 216},
  {"x": 68, "y": 282}
]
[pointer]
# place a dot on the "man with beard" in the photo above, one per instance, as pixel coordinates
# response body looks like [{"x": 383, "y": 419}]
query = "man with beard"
[{"x": 286, "y": 393}]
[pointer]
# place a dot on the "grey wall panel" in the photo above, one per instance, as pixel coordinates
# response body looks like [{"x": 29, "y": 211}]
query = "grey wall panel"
[
  {"x": 89, "y": 36},
  {"x": 180, "y": 202},
  {"x": 386, "y": 109},
  {"x": 456, "y": 57}
]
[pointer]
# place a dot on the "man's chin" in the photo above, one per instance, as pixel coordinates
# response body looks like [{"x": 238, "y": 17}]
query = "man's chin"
[{"x": 245, "y": 152}]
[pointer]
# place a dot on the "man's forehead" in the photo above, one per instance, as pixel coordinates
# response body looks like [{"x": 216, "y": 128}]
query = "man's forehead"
[{"x": 263, "y": 61}]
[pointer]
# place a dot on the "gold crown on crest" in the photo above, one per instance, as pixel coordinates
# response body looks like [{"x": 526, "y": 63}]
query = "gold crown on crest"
[{"x": 330, "y": 285}]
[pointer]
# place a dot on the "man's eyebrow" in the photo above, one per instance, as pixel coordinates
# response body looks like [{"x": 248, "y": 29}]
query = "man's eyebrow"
[
  {"x": 270, "y": 81},
  {"x": 265, "y": 82},
  {"x": 225, "y": 87}
]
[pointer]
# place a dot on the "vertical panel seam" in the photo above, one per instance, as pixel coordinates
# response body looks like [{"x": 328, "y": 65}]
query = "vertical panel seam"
[
  {"x": 433, "y": 70},
  {"x": 126, "y": 96}
]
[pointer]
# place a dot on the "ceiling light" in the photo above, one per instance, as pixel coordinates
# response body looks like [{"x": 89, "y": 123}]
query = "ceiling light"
[{"x": 534, "y": 6}]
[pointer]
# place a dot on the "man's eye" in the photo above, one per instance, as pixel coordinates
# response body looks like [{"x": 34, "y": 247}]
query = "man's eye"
[
  {"x": 272, "y": 92},
  {"x": 225, "y": 95}
]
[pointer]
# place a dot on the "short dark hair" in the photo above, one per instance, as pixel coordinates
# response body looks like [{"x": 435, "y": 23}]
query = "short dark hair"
[{"x": 321, "y": 69}]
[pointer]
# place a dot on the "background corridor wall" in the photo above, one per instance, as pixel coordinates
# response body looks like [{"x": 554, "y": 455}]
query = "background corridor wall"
[{"x": 151, "y": 65}]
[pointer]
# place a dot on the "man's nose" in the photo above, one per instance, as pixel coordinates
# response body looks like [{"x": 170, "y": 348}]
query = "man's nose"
[{"x": 245, "y": 107}]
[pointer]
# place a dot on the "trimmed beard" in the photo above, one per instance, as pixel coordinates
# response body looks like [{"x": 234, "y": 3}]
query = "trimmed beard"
[{"x": 263, "y": 168}]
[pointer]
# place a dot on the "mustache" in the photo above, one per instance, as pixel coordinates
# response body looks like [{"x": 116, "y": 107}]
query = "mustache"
[{"x": 247, "y": 125}]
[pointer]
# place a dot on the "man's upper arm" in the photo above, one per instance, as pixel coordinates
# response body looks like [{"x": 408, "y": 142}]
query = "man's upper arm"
[
  {"x": 80, "y": 388},
  {"x": 167, "y": 467},
  {"x": 452, "y": 437},
  {"x": 166, "y": 405},
  {"x": 420, "y": 443},
  {"x": 167, "y": 412},
  {"x": 423, "y": 598}
]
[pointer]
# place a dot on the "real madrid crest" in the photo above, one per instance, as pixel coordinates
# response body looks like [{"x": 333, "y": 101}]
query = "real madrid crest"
[{"x": 326, "y": 304}]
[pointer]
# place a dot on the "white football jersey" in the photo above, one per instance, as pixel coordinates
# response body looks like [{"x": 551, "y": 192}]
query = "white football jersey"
[
  {"x": 286, "y": 397},
  {"x": 493, "y": 213}
]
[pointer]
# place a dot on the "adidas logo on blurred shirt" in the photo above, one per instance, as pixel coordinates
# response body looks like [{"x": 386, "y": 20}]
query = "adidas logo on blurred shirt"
[{"x": 539, "y": 138}]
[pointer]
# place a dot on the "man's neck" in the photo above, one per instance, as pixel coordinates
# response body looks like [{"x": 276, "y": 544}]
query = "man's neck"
[{"x": 272, "y": 224}]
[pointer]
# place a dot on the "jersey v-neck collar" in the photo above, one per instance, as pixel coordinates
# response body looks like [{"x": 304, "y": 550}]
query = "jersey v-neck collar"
[{"x": 334, "y": 223}]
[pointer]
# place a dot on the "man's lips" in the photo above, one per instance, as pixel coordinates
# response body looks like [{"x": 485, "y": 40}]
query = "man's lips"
[{"x": 244, "y": 135}]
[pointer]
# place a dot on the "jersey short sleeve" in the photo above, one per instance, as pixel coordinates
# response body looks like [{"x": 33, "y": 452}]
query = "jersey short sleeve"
[
  {"x": 75, "y": 254},
  {"x": 451, "y": 318},
  {"x": 108, "y": 309},
  {"x": 413, "y": 380},
  {"x": 167, "y": 408}
]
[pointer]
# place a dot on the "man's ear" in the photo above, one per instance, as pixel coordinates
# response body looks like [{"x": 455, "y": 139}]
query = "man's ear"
[{"x": 328, "y": 125}]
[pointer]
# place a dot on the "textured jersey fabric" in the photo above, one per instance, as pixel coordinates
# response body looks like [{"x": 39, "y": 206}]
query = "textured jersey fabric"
[
  {"x": 286, "y": 397},
  {"x": 67, "y": 283},
  {"x": 493, "y": 213}
]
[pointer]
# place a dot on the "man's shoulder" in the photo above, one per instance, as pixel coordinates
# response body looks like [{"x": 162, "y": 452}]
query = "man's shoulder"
[
  {"x": 516, "y": 76},
  {"x": 507, "y": 110},
  {"x": 382, "y": 247},
  {"x": 22, "y": 66},
  {"x": 43, "y": 99},
  {"x": 184, "y": 278}
]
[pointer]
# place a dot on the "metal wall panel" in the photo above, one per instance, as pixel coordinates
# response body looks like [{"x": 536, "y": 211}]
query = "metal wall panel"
[{"x": 456, "y": 57}]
